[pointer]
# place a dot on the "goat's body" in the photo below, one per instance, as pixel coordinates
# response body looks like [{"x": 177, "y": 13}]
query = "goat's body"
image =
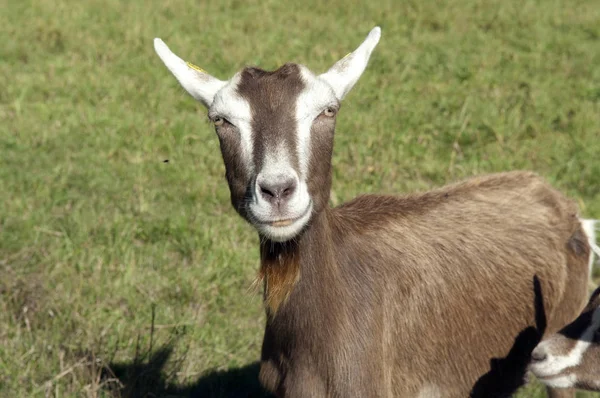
[{"x": 416, "y": 295}]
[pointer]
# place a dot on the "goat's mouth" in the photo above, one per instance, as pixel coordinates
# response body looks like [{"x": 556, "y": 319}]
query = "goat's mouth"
[
  {"x": 283, "y": 229},
  {"x": 284, "y": 222}
]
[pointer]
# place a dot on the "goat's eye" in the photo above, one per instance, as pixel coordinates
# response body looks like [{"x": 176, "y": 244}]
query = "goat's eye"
[
  {"x": 597, "y": 335},
  {"x": 329, "y": 112},
  {"x": 218, "y": 121}
]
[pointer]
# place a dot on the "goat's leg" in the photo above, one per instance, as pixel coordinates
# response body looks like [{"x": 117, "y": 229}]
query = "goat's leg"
[{"x": 560, "y": 392}]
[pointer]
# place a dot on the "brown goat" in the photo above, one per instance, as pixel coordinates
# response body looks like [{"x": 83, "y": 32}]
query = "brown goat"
[{"x": 429, "y": 295}]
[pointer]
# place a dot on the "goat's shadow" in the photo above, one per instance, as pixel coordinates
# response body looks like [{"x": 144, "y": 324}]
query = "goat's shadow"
[
  {"x": 507, "y": 374},
  {"x": 149, "y": 378},
  {"x": 152, "y": 371}
]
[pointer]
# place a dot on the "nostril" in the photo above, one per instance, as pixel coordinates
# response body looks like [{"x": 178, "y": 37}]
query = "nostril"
[
  {"x": 267, "y": 192},
  {"x": 289, "y": 189},
  {"x": 538, "y": 355}
]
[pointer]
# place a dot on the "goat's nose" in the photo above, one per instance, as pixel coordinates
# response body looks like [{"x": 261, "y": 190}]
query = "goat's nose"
[
  {"x": 278, "y": 189},
  {"x": 538, "y": 354}
]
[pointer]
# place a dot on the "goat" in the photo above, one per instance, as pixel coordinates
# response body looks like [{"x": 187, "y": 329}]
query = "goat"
[
  {"x": 571, "y": 357},
  {"x": 418, "y": 295}
]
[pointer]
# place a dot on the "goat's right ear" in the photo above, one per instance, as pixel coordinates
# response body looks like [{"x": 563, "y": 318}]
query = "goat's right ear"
[{"x": 196, "y": 81}]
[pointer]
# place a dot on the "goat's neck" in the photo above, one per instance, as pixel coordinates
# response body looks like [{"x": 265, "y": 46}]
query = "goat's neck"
[{"x": 284, "y": 263}]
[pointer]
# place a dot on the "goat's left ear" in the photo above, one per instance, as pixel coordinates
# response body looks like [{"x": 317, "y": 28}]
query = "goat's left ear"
[
  {"x": 345, "y": 73},
  {"x": 196, "y": 81}
]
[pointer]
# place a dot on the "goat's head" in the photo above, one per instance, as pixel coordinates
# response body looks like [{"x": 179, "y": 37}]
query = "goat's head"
[
  {"x": 571, "y": 357},
  {"x": 276, "y": 134}
]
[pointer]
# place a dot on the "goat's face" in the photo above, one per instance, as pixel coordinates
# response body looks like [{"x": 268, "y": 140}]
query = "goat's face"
[
  {"x": 571, "y": 357},
  {"x": 276, "y": 134}
]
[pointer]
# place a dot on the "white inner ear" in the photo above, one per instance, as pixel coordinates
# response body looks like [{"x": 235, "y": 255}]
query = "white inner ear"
[
  {"x": 345, "y": 73},
  {"x": 196, "y": 82}
]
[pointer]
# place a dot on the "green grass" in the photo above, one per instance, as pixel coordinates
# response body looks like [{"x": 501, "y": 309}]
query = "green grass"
[{"x": 125, "y": 274}]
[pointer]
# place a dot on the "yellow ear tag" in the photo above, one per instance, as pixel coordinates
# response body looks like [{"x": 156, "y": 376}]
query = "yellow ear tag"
[{"x": 199, "y": 69}]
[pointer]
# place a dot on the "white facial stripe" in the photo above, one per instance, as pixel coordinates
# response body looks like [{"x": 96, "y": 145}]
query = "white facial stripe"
[
  {"x": 230, "y": 105},
  {"x": 311, "y": 102},
  {"x": 554, "y": 364},
  {"x": 276, "y": 161},
  {"x": 584, "y": 342}
]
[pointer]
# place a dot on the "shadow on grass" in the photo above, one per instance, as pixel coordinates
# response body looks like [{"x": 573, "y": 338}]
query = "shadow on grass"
[
  {"x": 151, "y": 372},
  {"x": 507, "y": 374},
  {"x": 149, "y": 379},
  {"x": 241, "y": 382}
]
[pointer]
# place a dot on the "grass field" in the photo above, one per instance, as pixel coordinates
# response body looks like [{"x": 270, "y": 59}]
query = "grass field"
[{"x": 126, "y": 275}]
